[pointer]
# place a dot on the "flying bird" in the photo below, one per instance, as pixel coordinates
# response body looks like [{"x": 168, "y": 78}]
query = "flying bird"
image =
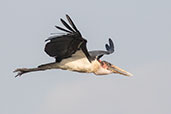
[{"x": 70, "y": 53}]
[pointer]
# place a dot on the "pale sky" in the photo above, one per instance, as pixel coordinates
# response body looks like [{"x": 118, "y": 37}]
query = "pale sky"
[{"x": 141, "y": 31}]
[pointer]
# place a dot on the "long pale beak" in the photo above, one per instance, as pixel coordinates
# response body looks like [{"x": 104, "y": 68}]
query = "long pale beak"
[{"x": 116, "y": 69}]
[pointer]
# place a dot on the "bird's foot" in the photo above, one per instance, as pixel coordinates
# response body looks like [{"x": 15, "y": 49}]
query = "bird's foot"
[{"x": 20, "y": 71}]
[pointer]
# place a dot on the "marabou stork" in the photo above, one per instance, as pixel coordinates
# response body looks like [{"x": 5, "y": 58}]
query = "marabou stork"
[{"x": 70, "y": 53}]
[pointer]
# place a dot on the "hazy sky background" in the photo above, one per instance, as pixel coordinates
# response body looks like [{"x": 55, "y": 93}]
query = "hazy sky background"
[{"x": 141, "y": 31}]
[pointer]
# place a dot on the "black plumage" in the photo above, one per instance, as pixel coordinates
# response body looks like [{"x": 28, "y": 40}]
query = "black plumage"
[{"x": 64, "y": 46}]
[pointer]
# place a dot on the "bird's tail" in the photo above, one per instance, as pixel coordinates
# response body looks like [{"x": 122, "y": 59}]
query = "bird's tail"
[{"x": 21, "y": 71}]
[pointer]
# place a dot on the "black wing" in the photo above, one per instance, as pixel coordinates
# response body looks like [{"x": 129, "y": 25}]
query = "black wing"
[
  {"x": 64, "y": 46},
  {"x": 99, "y": 54}
]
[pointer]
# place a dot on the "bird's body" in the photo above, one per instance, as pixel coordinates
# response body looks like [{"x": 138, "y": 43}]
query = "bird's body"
[
  {"x": 78, "y": 62},
  {"x": 70, "y": 53}
]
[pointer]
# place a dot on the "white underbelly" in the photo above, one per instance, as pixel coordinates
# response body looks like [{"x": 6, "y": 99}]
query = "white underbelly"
[{"x": 78, "y": 62}]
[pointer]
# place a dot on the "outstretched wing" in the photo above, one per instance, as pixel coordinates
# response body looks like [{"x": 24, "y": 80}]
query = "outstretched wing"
[
  {"x": 99, "y": 54},
  {"x": 65, "y": 46}
]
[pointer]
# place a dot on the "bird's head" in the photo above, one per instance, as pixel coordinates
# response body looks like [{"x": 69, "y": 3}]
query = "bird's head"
[{"x": 108, "y": 68}]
